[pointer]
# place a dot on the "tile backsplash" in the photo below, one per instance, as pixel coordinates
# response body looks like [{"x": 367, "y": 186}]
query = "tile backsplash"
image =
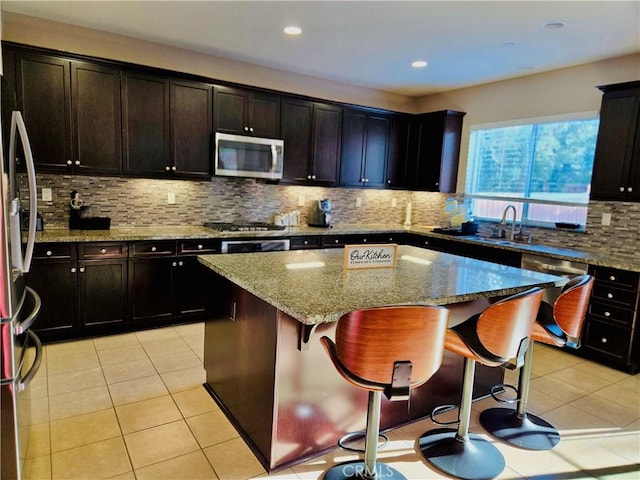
[{"x": 143, "y": 202}]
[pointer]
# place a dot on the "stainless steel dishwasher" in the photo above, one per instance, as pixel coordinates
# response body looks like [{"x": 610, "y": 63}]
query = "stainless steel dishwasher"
[{"x": 552, "y": 266}]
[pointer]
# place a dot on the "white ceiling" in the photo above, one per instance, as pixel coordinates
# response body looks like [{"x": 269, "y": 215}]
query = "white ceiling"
[{"x": 373, "y": 43}]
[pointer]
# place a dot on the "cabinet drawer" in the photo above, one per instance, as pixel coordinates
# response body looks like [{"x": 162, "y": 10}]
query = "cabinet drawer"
[
  {"x": 611, "y": 294},
  {"x": 611, "y": 313},
  {"x": 299, "y": 243},
  {"x": 161, "y": 247},
  {"x": 606, "y": 338},
  {"x": 198, "y": 246},
  {"x": 58, "y": 251},
  {"x": 335, "y": 240},
  {"x": 619, "y": 278},
  {"x": 102, "y": 250}
]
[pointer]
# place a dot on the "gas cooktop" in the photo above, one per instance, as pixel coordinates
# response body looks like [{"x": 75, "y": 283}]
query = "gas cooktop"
[{"x": 243, "y": 226}]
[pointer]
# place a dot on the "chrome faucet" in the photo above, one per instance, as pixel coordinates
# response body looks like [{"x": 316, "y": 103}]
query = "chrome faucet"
[{"x": 512, "y": 236}]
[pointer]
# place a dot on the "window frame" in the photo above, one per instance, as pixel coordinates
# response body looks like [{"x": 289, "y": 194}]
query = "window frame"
[{"x": 525, "y": 201}]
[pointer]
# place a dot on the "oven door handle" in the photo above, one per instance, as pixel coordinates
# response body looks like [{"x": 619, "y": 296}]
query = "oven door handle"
[
  {"x": 24, "y": 325},
  {"x": 25, "y": 380}
]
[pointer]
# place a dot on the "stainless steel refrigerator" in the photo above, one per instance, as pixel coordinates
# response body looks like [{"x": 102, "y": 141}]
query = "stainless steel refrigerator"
[{"x": 19, "y": 304}]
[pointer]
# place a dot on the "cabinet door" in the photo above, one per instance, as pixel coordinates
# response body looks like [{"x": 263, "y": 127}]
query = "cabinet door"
[
  {"x": 102, "y": 289},
  {"x": 230, "y": 105},
  {"x": 193, "y": 287},
  {"x": 145, "y": 124},
  {"x": 617, "y": 133},
  {"x": 151, "y": 288},
  {"x": 96, "y": 119},
  {"x": 191, "y": 129},
  {"x": 376, "y": 150},
  {"x": 327, "y": 138},
  {"x": 44, "y": 97},
  {"x": 264, "y": 118},
  {"x": 55, "y": 283},
  {"x": 297, "y": 122},
  {"x": 353, "y": 148}
]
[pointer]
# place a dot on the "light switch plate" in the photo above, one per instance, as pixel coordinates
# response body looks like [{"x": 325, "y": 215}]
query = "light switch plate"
[
  {"x": 47, "y": 195},
  {"x": 301, "y": 201},
  {"x": 606, "y": 219},
  {"x": 171, "y": 198},
  {"x": 358, "y": 201},
  {"x": 394, "y": 202}
]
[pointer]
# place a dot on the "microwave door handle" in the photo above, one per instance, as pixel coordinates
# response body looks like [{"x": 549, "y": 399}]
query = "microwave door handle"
[
  {"x": 18, "y": 121},
  {"x": 274, "y": 158}
]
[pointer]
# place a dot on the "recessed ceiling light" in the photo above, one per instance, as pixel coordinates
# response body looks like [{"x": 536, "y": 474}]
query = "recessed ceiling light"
[
  {"x": 419, "y": 64},
  {"x": 292, "y": 30},
  {"x": 553, "y": 25}
]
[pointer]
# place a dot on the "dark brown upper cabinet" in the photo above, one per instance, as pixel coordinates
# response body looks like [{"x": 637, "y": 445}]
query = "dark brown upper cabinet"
[
  {"x": 365, "y": 144},
  {"x": 435, "y": 168},
  {"x": 616, "y": 167},
  {"x": 246, "y": 112},
  {"x": 85, "y": 139},
  {"x": 404, "y": 137},
  {"x": 167, "y": 127},
  {"x": 311, "y": 133}
]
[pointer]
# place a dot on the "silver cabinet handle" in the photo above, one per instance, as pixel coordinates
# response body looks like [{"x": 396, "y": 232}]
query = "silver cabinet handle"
[
  {"x": 630, "y": 189},
  {"x": 607, "y": 314},
  {"x": 251, "y": 129},
  {"x": 232, "y": 317},
  {"x": 364, "y": 240},
  {"x": 308, "y": 177},
  {"x": 103, "y": 250},
  {"x": 175, "y": 264},
  {"x": 153, "y": 249},
  {"x": 180, "y": 263},
  {"x": 77, "y": 162},
  {"x": 612, "y": 278},
  {"x": 74, "y": 270},
  {"x": 609, "y": 295},
  {"x": 167, "y": 168},
  {"x": 173, "y": 168},
  {"x": 603, "y": 339},
  {"x": 69, "y": 162},
  {"x": 200, "y": 247},
  {"x": 81, "y": 269},
  {"x": 306, "y": 242},
  {"x": 49, "y": 253},
  {"x": 336, "y": 241},
  {"x": 313, "y": 177}
]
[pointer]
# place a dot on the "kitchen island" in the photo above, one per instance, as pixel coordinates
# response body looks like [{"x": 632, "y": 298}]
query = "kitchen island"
[{"x": 267, "y": 370}]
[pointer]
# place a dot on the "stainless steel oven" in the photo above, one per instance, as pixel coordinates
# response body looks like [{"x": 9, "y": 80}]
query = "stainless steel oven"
[{"x": 253, "y": 245}]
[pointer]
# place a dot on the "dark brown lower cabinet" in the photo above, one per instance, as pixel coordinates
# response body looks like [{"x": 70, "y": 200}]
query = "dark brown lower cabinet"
[{"x": 102, "y": 293}]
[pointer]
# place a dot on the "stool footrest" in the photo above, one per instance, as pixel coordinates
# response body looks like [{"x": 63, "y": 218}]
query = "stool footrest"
[
  {"x": 443, "y": 409},
  {"x": 500, "y": 388},
  {"x": 362, "y": 434}
]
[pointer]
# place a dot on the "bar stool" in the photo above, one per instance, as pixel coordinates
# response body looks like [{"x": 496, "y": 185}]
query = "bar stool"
[
  {"x": 496, "y": 335},
  {"x": 559, "y": 325},
  {"x": 388, "y": 350}
]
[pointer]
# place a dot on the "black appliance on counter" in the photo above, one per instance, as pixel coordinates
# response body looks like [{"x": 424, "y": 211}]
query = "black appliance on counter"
[
  {"x": 243, "y": 226},
  {"x": 320, "y": 214},
  {"x": 80, "y": 217}
]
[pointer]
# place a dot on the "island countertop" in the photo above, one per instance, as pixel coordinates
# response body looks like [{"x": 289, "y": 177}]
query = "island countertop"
[{"x": 324, "y": 293}]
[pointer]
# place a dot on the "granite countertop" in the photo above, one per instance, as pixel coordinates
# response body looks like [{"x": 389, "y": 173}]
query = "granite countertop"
[
  {"x": 123, "y": 234},
  {"x": 324, "y": 294}
]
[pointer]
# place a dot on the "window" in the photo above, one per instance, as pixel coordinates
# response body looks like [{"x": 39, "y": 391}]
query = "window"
[{"x": 542, "y": 167}]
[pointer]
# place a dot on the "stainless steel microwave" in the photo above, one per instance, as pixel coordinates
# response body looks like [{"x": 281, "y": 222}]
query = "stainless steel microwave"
[{"x": 240, "y": 156}]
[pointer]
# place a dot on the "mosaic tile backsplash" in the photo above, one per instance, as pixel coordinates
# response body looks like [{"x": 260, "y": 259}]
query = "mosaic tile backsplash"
[{"x": 143, "y": 202}]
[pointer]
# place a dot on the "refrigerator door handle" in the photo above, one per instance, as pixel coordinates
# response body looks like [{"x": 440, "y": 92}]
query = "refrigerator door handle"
[
  {"x": 25, "y": 380},
  {"x": 24, "y": 325},
  {"x": 17, "y": 123}
]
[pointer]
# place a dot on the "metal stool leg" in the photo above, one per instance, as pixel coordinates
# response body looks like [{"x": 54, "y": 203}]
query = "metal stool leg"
[
  {"x": 459, "y": 453},
  {"x": 370, "y": 468},
  {"x": 517, "y": 427}
]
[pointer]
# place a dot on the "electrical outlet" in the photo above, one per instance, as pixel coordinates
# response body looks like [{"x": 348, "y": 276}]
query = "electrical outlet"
[
  {"x": 301, "y": 201},
  {"x": 394, "y": 202},
  {"x": 358, "y": 201},
  {"x": 47, "y": 195},
  {"x": 606, "y": 219},
  {"x": 171, "y": 198}
]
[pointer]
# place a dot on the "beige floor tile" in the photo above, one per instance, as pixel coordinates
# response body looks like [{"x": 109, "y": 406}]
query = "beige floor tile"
[
  {"x": 212, "y": 428},
  {"x": 38, "y": 441},
  {"x": 194, "y": 402},
  {"x": 577, "y": 378},
  {"x": 175, "y": 361},
  {"x": 623, "y": 443},
  {"x": 196, "y": 343},
  {"x": 592, "y": 369},
  {"x": 38, "y": 468},
  {"x": 608, "y": 410},
  {"x": 193, "y": 466},
  {"x": 165, "y": 346},
  {"x": 121, "y": 355},
  {"x": 116, "y": 341},
  {"x": 589, "y": 455},
  {"x": 124, "y": 476},
  {"x": 557, "y": 388},
  {"x": 75, "y": 380},
  {"x": 84, "y": 429},
  {"x": 160, "y": 443},
  {"x": 148, "y": 413},
  {"x": 156, "y": 334},
  {"x": 619, "y": 394},
  {"x": 104, "y": 459},
  {"x": 573, "y": 421},
  {"x": 122, "y": 372},
  {"x": 137, "y": 390},
  {"x": 72, "y": 362},
  {"x": 287, "y": 474},
  {"x": 190, "y": 330},
  {"x": 184, "y": 379},
  {"x": 562, "y": 469},
  {"x": 233, "y": 460},
  {"x": 68, "y": 348},
  {"x": 78, "y": 403},
  {"x": 39, "y": 410}
]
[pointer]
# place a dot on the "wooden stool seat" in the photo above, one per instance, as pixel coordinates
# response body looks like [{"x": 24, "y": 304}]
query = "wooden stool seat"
[{"x": 389, "y": 350}]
